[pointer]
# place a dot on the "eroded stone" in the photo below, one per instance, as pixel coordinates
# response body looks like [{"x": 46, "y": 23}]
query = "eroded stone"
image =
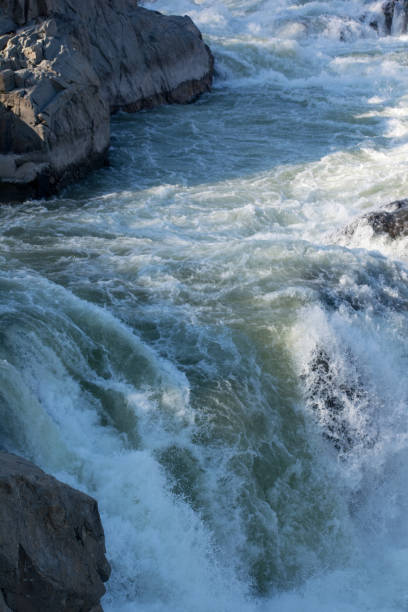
[{"x": 52, "y": 549}]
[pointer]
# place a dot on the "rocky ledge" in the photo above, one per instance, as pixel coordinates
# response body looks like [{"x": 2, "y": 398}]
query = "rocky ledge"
[
  {"x": 52, "y": 547},
  {"x": 66, "y": 65}
]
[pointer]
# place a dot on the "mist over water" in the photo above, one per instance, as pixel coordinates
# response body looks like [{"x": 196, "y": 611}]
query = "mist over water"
[{"x": 176, "y": 330}]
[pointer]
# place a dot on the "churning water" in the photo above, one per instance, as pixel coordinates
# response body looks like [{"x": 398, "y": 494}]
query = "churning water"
[{"x": 189, "y": 337}]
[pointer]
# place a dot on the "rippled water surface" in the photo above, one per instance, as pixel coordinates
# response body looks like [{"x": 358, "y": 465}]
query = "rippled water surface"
[{"x": 189, "y": 337}]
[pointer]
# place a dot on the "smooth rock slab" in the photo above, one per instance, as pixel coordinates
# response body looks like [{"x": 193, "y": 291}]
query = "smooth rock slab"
[{"x": 52, "y": 547}]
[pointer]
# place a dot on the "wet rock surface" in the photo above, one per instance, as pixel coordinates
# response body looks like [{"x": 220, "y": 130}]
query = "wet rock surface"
[
  {"x": 395, "y": 10},
  {"x": 392, "y": 220},
  {"x": 52, "y": 549},
  {"x": 339, "y": 400},
  {"x": 391, "y": 18},
  {"x": 66, "y": 65}
]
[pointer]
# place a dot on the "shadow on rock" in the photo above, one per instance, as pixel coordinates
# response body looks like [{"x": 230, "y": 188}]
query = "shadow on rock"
[
  {"x": 69, "y": 66},
  {"x": 52, "y": 545}
]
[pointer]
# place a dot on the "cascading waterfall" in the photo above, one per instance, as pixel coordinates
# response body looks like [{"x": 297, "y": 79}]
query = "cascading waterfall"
[{"x": 190, "y": 337}]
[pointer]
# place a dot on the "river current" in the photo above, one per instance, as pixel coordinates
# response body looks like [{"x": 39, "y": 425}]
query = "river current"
[{"x": 176, "y": 330}]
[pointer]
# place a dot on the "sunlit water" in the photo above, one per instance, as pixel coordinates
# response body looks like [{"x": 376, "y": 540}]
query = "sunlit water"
[{"x": 164, "y": 323}]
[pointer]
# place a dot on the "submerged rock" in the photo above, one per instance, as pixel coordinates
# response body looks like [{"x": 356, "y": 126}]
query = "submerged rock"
[
  {"x": 66, "y": 65},
  {"x": 52, "y": 548},
  {"x": 326, "y": 398},
  {"x": 392, "y": 220},
  {"x": 336, "y": 394}
]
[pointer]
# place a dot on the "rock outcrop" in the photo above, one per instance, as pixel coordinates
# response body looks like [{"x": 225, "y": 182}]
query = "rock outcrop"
[
  {"x": 395, "y": 15},
  {"x": 389, "y": 18},
  {"x": 391, "y": 221},
  {"x": 52, "y": 550},
  {"x": 66, "y": 65},
  {"x": 337, "y": 395}
]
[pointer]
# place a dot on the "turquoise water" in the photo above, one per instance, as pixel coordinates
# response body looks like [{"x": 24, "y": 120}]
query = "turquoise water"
[{"x": 162, "y": 323}]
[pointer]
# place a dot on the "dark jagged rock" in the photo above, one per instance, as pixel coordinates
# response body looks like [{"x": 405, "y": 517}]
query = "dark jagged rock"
[
  {"x": 66, "y": 65},
  {"x": 325, "y": 398},
  {"x": 52, "y": 548},
  {"x": 394, "y": 17},
  {"x": 391, "y": 221},
  {"x": 388, "y": 10},
  {"x": 335, "y": 396},
  {"x": 393, "y": 9}
]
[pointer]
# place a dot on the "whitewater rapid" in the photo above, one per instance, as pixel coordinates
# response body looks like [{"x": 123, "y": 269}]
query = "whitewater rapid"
[{"x": 175, "y": 328}]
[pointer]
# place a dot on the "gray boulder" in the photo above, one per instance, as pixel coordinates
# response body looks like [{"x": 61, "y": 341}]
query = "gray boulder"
[
  {"x": 392, "y": 220},
  {"x": 66, "y": 65},
  {"x": 52, "y": 549}
]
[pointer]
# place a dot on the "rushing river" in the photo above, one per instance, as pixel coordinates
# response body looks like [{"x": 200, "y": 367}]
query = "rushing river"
[{"x": 177, "y": 330}]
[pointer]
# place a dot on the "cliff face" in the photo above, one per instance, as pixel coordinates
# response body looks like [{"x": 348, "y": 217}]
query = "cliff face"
[
  {"x": 65, "y": 65},
  {"x": 52, "y": 546}
]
